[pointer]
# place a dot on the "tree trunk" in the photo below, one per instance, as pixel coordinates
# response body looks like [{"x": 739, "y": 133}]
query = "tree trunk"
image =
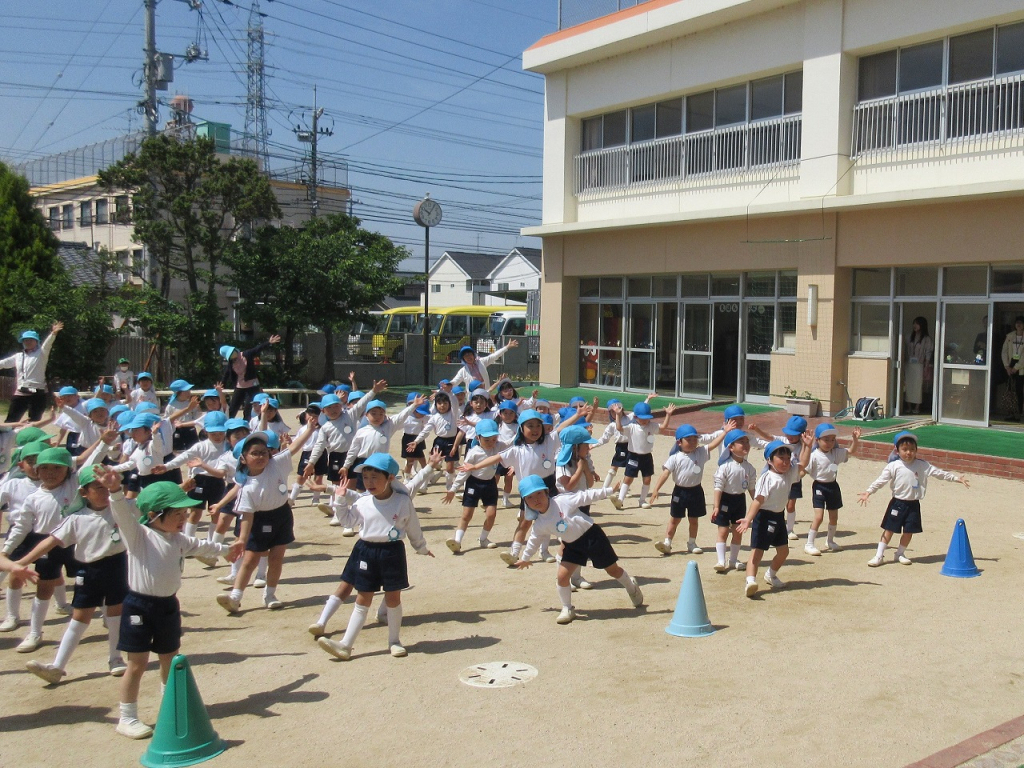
[
  {"x": 289, "y": 350},
  {"x": 328, "y": 353}
]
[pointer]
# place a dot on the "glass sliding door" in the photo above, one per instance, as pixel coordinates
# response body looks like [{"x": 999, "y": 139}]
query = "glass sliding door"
[
  {"x": 696, "y": 332},
  {"x": 666, "y": 351},
  {"x": 760, "y": 339},
  {"x": 641, "y": 347},
  {"x": 965, "y": 373}
]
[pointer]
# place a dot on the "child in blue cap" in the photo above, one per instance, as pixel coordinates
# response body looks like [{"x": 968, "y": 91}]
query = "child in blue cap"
[
  {"x": 686, "y": 469},
  {"x": 481, "y": 487},
  {"x": 791, "y": 436},
  {"x": 143, "y": 391},
  {"x": 375, "y": 437},
  {"x": 444, "y": 422},
  {"x": 508, "y": 426},
  {"x": 825, "y": 491},
  {"x": 574, "y": 471},
  {"x": 183, "y": 409},
  {"x": 147, "y": 454},
  {"x": 640, "y": 433},
  {"x": 908, "y": 479},
  {"x": 766, "y": 517},
  {"x": 734, "y": 480},
  {"x": 69, "y": 431},
  {"x": 412, "y": 425}
]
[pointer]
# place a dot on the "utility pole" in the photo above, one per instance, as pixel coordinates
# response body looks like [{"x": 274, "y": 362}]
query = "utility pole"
[
  {"x": 149, "y": 69},
  {"x": 311, "y": 135},
  {"x": 256, "y": 131}
]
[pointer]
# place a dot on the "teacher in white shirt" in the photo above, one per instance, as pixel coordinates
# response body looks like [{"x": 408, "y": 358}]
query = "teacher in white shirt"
[{"x": 30, "y": 371}]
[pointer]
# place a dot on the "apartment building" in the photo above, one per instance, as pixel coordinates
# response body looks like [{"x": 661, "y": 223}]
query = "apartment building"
[{"x": 745, "y": 197}]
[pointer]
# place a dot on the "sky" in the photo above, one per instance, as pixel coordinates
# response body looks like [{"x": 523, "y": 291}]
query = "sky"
[{"x": 425, "y": 96}]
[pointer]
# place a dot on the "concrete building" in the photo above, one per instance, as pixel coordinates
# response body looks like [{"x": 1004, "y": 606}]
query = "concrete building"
[{"x": 745, "y": 197}]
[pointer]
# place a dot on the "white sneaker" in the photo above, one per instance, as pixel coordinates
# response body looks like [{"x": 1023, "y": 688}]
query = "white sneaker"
[
  {"x": 645, "y": 505},
  {"x": 635, "y": 596},
  {"x": 773, "y": 580},
  {"x": 134, "y": 729},
  {"x": 260, "y": 583},
  {"x": 721, "y": 568},
  {"x": 547, "y": 557},
  {"x": 31, "y": 643},
  {"x": 48, "y": 672},
  {"x": 738, "y": 566},
  {"x": 833, "y": 547},
  {"x": 398, "y": 651},
  {"x": 273, "y": 603},
  {"x": 316, "y": 630},
  {"x": 228, "y": 603},
  {"x": 751, "y": 588},
  {"x": 812, "y": 550},
  {"x": 327, "y": 510},
  {"x": 348, "y": 532},
  {"x": 335, "y": 523},
  {"x": 566, "y": 616},
  {"x": 337, "y": 650},
  {"x": 616, "y": 501},
  {"x": 10, "y": 624},
  {"x": 453, "y": 545},
  {"x": 487, "y": 544},
  {"x": 584, "y": 584},
  {"x": 792, "y": 536},
  {"x": 663, "y": 547},
  {"x": 876, "y": 561},
  {"x": 902, "y": 560},
  {"x": 117, "y": 667},
  {"x": 62, "y": 610},
  {"x": 226, "y": 579},
  {"x": 208, "y": 560},
  {"x": 508, "y": 558},
  {"x": 694, "y": 549}
]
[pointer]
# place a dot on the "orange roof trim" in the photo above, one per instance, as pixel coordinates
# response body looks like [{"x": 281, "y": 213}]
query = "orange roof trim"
[{"x": 602, "y": 21}]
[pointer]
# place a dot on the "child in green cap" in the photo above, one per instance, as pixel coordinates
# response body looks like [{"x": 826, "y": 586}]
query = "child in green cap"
[{"x": 16, "y": 487}]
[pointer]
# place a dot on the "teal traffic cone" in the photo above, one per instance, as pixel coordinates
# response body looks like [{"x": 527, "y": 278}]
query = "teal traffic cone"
[
  {"x": 183, "y": 734},
  {"x": 960, "y": 559},
  {"x": 691, "y": 616}
]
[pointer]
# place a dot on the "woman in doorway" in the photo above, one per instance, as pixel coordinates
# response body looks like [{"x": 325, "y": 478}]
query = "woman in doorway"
[
  {"x": 920, "y": 353},
  {"x": 1013, "y": 361}
]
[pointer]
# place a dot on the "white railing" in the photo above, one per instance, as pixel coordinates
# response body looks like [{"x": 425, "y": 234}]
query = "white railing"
[
  {"x": 752, "y": 150},
  {"x": 971, "y": 117}
]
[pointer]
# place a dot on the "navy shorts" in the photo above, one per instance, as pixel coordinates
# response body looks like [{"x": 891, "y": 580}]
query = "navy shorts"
[
  {"x": 147, "y": 480},
  {"x": 621, "y": 455},
  {"x": 58, "y": 559},
  {"x": 71, "y": 443},
  {"x": 130, "y": 481},
  {"x": 731, "y": 509},
  {"x": 592, "y": 545},
  {"x": 501, "y": 470},
  {"x": 209, "y": 489},
  {"x": 377, "y": 565},
  {"x": 271, "y": 529},
  {"x": 796, "y": 490},
  {"x": 483, "y": 491},
  {"x": 335, "y": 461},
  {"x": 903, "y": 516},
  {"x": 639, "y": 464},
  {"x": 172, "y": 475},
  {"x": 826, "y": 495},
  {"x": 688, "y": 502},
  {"x": 184, "y": 438},
  {"x": 320, "y": 468},
  {"x": 768, "y": 530},
  {"x": 445, "y": 444},
  {"x": 150, "y": 624},
  {"x": 27, "y": 545},
  {"x": 104, "y": 582}
]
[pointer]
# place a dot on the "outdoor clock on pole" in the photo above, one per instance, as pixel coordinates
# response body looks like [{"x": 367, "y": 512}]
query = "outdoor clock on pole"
[{"x": 426, "y": 213}]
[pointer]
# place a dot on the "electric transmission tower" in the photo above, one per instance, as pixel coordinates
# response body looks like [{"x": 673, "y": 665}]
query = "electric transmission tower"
[{"x": 255, "y": 132}]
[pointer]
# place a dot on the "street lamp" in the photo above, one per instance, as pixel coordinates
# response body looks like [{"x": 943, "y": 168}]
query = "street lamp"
[{"x": 426, "y": 213}]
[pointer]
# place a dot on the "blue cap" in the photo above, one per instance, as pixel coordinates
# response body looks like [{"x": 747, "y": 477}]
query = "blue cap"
[
  {"x": 464, "y": 350},
  {"x": 443, "y": 382},
  {"x": 147, "y": 408},
  {"x": 67, "y": 391},
  {"x": 733, "y": 412},
  {"x": 566, "y": 413},
  {"x": 344, "y": 388},
  {"x": 144, "y": 375},
  {"x": 531, "y": 484},
  {"x": 211, "y": 393},
  {"x": 904, "y": 435},
  {"x": 475, "y": 384},
  {"x": 227, "y": 350},
  {"x": 93, "y": 403},
  {"x": 376, "y": 404},
  {"x": 824, "y": 430},
  {"x": 571, "y": 436},
  {"x": 732, "y": 436},
  {"x": 773, "y": 446},
  {"x": 329, "y": 400},
  {"x": 179, "y": 385},
  {"x": 487, "y": 428},
  {"x": 120, "y": 408},
  {"x": 547, "y": 419},
  {"x": 479, "y": 392},
  {"x": 260, "y": 397},
  {"x": 124, "y": 419},
  {"x": 685, "y": 430},
  {"x": 273, "y": 402},
  {"x": 232, "y": 424},
  {"x": 327, "y": 389},
  {"x": 527, "y": 415},
  {"x": 507, "y": 405},
  {"x": 28, "y": 335},
  {"x": 423, "y": 410},
  {"x": 411, "y": 396},
  {"x": 106, "y": 389},
  {"x": 796, "y": 425},
  {"x": 457, "y": 390},
  {"x": 141, "y": 420},
  {"x": 612, "y": 401},
  {"x": 542, "y": 402},
  {"x": 356, "y": 396},
  {"x": 642, "y": 411},
  {"x": 215, "y": 421},
  {"x": 577, "y": 399},
  {"x": 271, "y": 439},
  {"x": 383, "y": 462}
]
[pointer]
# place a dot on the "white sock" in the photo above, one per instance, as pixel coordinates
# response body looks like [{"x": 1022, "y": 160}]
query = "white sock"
[
  {"x": 163, "y": 690},
  {"x": 609, "y": 477},
  {"x": 459, "y": 533},
  {"x": 516, "y": 548},
  {"x": 734, "y": 553},
  {"x": 811, "y": 536},
  {"x": 236, "y": 567},
  {"x": 296, "y": 487},
  {"x": 831, "y": 534},
  {"x": 129, "y": 712},
  {"x": 623, "y": 491},
  {"x": 315, "y": 498},
  {"x": 331, "y": 608},
  {"x": 899, "y": 551},
  {"x": 484, "y": 534},
  {"x": 14, "y": 602},
  {"x": 691, "y": 543},
  {"x": 790, "y": 521},
  {"x": 261, "y": 569},
  {"x": 771, "y": 572},
  {"x": 394, "y": 624},
  {"x": 39, "y": 609},
  {"x": 269, "y": 592},
  {"x": 881, "y": 548},
  {"x": 236, "y": 594},
  {"x": 644, "y": 490},
  {"x": 505, "y": 499},
  {"x": 720, "y": 547},
  {"x": 627, "y": 582},
  {"x": 751, "y": 580},
  {"x": 565, "y": 595},
  {"x": 113, "y": 637},
  {"x": 667, "y": 542},
  {"x": 190, "y": 529},
  {"x": 355, "y": 623},
  {"x": 72, "y": 637},
  {"x": 218, "y": 538},
  {"x": 382, "y": 611},
  {"x": 60, "y": 595}
]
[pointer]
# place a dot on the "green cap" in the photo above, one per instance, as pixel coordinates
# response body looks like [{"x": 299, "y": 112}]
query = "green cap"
[
  {"x": 30, "y": 435},
  {"x": 58, "y": 456},
  {"x": 163, "y": 495},
  {"x": 86, "y": 475},
  {"x": 32, "y": 449}
]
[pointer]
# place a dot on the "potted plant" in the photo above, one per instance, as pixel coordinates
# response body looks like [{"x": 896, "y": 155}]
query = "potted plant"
[{"x": 801, "y": 403}]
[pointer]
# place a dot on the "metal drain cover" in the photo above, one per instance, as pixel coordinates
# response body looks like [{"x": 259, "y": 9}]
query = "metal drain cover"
[{"x": 498, "y": 674}]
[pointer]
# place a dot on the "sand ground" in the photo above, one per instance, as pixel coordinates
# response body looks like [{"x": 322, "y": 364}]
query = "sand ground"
[{"x": 848, "y": 665}]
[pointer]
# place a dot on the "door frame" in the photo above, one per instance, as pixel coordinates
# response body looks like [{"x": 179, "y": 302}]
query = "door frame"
[{"x": 940, "y": 369}]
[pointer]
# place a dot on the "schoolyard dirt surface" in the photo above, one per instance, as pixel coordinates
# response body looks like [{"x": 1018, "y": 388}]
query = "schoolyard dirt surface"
[{"x": 848, "y": 665}]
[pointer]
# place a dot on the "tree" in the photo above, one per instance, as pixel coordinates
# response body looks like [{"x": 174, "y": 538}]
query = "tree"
[
  {"x": 188, "y": 206},
  {"x": 327, "y": 273}
]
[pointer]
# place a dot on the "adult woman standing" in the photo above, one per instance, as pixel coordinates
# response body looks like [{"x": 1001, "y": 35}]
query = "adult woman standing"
[
  {"x": 1013, "y": 360},
  {"x": 240, "y": 373},
  {"x": 30, "y": 367},
  {"x": 920, "y": 355}
]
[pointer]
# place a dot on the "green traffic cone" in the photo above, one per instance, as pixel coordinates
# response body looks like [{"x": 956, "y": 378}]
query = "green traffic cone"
[{"x": 183, "y": 734}]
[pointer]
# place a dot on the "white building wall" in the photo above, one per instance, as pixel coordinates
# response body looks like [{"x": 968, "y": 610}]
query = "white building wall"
[{"x": 452, "y": 281}]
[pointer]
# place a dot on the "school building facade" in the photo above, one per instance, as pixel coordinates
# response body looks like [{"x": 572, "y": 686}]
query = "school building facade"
[{"x": 744, "y": 198}]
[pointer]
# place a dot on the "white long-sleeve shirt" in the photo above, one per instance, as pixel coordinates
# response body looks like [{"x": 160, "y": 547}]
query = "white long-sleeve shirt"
[
  {"x": 396, "y": 512},
  {"x": 144, "y": 457},
  {"x": 909, "y": 482},
  {"x": 89, "y": 431},
  {"x": 205, "y": 450},
  {"x": 140, "y": 395},
  {"x": 155, "y": 559},
  {"x": 464, "y": 376},
  {"x": 30, "y": 367},
  {"x": 93, "y": 534},
  {"x": 611, "y": 434},
  {"x": 687, "y": 468},
  {"x": 269, "y": 489},
  {"x": 370, "y": 439},
  {"x": 43, "y": 511},
  {"x": 335, "y": 435},
  {"x": 443, "y": 424},
  {"x": 735, "y": 477},
  {"x": 824, "y": 467},
  {"x": 564, "y": 506}
]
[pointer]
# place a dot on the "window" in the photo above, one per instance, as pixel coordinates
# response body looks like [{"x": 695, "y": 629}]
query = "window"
[
  {"x": 435, "y": 288},
  {"x": 615, "y": 129},
  {"x": 138, "y": 263},
  {"x": 1008, "y": 280},
  {"x": 1010, "y": 49},
  {"x": 760, "y": 284},
  {"x": 122, "y": 211},
  {"x": 54, "y": 214},
  {"x": 787, "y": 326},
  {"x": 920, "y": 67},
  {"x": 68, "y": 216},
  {"x": 870, "y": 328},
  {"x": 766, "y": 98},
  {"x": 593, "y": 133},
  {"x": 871, "y": 282},
  {"x": 877, "y": 76},
  {"x": 643, "y": 119},
  {"x": 793, "y": 100},
  {"x": 965, "y": 281},
  {"x": 970, "y": 56},
  {"x": 502, "y": 286},
  {"x": 102, "y": 216},
  {"x": 700, "y": 112},
  {"x": 670, "y": 118},
  {"x": 917, "y": 281},
  {"x": 730, "y": 105},
  {"x": 85, "y": 213}
]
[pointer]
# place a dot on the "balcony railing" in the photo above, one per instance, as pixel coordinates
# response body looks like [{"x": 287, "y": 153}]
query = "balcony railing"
[
  {"x": 752, "y": 150},
  {"x": 978, "y": 116}
]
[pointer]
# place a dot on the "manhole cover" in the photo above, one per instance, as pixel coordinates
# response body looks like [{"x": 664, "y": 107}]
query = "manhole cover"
[{"x": 497, "y": 674}]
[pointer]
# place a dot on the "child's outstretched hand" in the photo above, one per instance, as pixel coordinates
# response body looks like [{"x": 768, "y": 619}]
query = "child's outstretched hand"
[
  {"x": 436, "y": 458},
  {"x": 742, "y": 525},
  {"x": 965, "y": 482},
  {"x": 730, "y": 425},
  {"x": 108, "y": 479},
  {"x": 862, "y": 498},
  {"x": 807, "y": 438},
  {"x": 467, "y": 468},
  {"x": 448, "y": 497},
  {"x": 535, "y": 394},
  {"x": 522, "y": 565},
  {"x": 669, "y": 409},
  {"x": 379, "y": 386},
  {"x": 856, "y": 433},
  {"x": 236, "y": 551}
]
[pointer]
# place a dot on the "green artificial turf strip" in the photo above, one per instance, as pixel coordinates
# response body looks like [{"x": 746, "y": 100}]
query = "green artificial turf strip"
[
  {"x": 628, "y": 399},
  {"x": 748, "y": 408},
  {"x": 979, "y": 440},
  {"x": 875, "y": 424}
]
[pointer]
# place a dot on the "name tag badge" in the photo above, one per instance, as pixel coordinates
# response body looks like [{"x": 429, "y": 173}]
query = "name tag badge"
[
  {"x": 79, "y": 580},
  {"x": 347, "y": 430},
  {"x": 547, "y": 464},
  {"x": 895, "y": 513},
  {"x": 676, "y": 499},
  {"x": 282, "y": 488},
  {"x": 650, "y": 438},
  {"x": 724, "y": 508},
  {"x": 633, "y": 463},
  {"x": 362, "y": 565},
  {"x": 818, "y": 492},
  {"x": 135, "y": 621},
  {"x": 771, "y": 527},
  {"x": 382, "y": 439},
  {"x": 470, "y": 491},
  {"x": 268, "y": 529}
]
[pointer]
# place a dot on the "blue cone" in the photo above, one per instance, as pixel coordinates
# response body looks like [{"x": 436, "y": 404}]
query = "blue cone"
[
  {"x": 691, "y": 616},
  {"x": 960, "y": 560}
]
